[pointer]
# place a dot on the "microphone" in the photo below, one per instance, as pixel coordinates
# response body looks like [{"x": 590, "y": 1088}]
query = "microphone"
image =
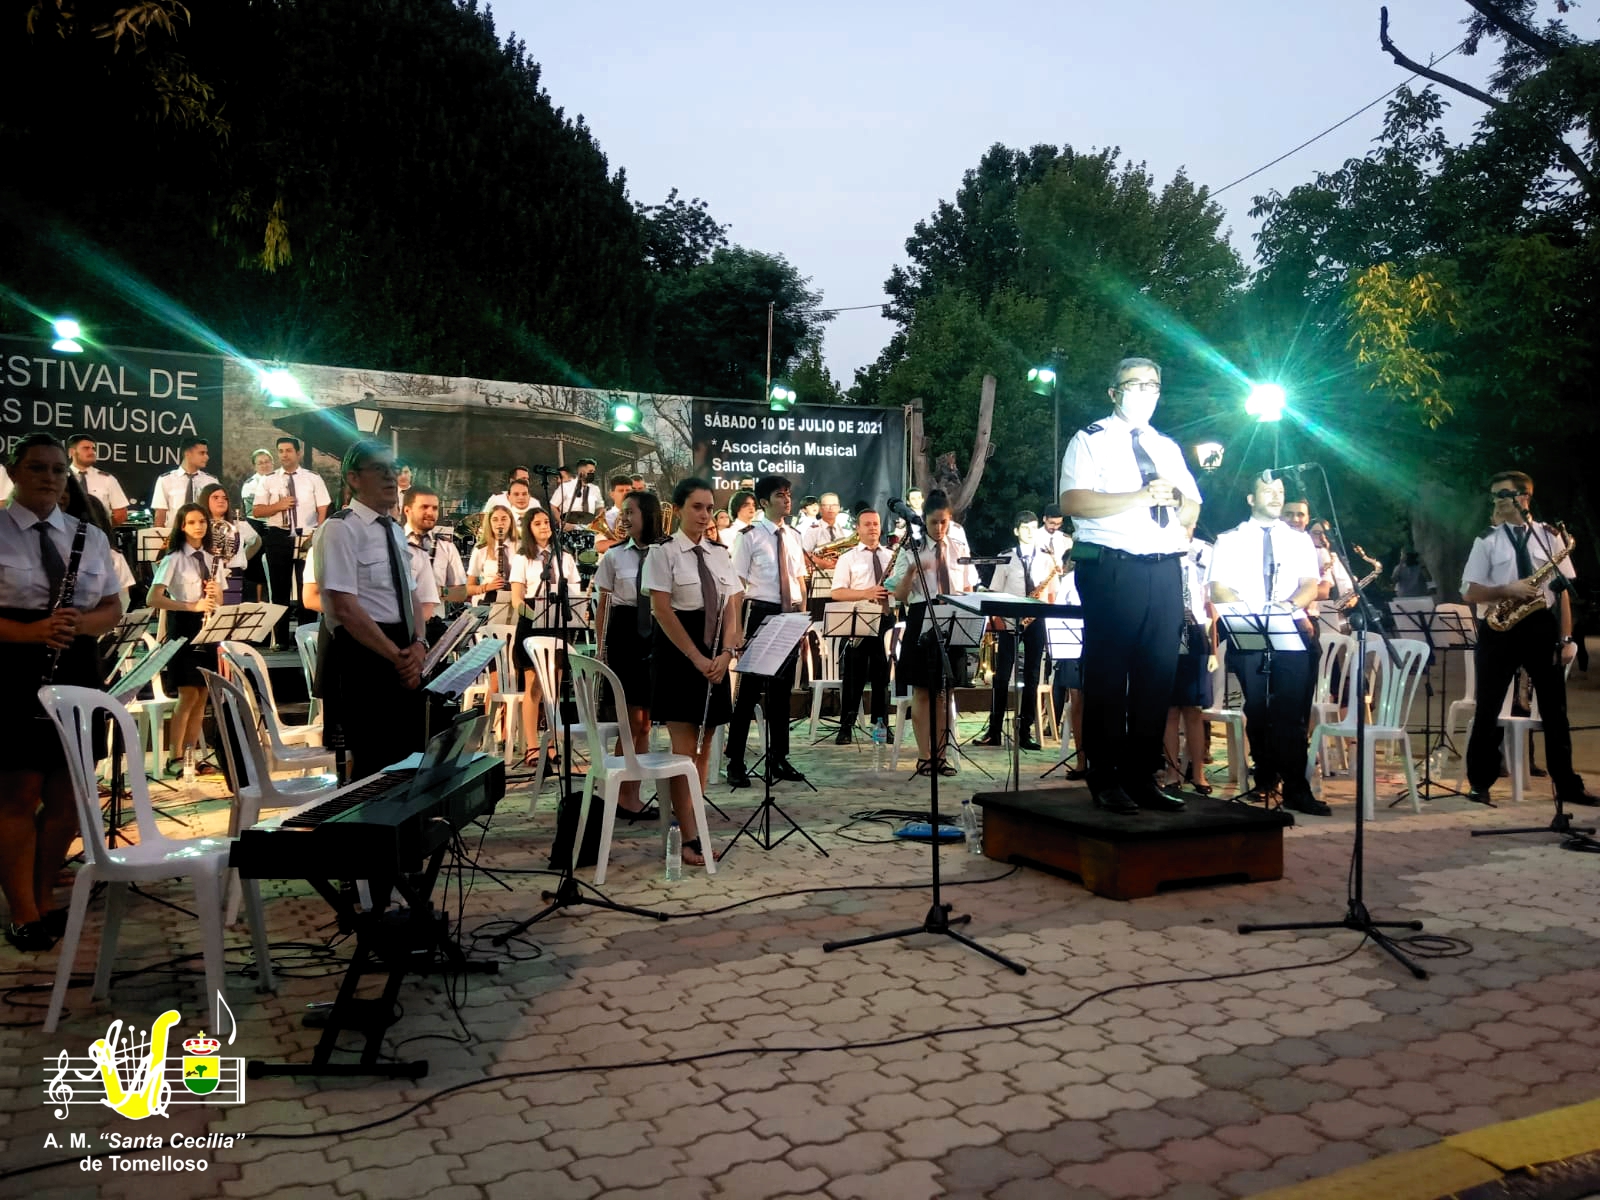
[
  {"x": 1274, "y": 473},
  {"x": 904, "y": 511}
]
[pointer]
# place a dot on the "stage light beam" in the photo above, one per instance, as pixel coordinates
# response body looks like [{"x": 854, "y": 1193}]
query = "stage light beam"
[{"x": 1266, "y": 402}]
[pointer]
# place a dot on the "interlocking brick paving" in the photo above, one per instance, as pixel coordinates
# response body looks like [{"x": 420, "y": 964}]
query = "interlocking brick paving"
[{"x": 1023, "y": 1086}]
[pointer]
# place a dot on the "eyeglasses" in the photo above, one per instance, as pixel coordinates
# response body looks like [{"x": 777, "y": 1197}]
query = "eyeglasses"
[
  {"x": 1139, "y": 385},
  {"x": 1507, "y": 494},
  {"x": 382, "y": 467}
]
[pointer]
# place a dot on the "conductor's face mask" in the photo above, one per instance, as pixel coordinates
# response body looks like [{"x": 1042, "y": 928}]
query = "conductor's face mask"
[{"x": 1137, "y": 401}]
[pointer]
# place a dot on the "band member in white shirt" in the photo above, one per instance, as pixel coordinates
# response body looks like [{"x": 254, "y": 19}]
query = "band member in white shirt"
[
  {"x": 769, "y": 560},
  {"x": 829, "y": 526},
  {"x": 102, "y": 485},
  {"x": 1051, "y": 532},
  {"x": 695, "y": 598},
  {"x": 182, "y": 485},
  {"x": 262, "y": 461},
  {"x": 489, "y": 570},
  {"x": 235, "y": 542},
  {"x": 1268, "y": 566},
  {"x": 1028, "y": 568},
  {"x": 434, "y": 554},
  {"x": 38, "y": 813},
  {"x": 579, "y": 494},
  {"x": 742, "y": 508},
  {"x": 621, "y": 487},
  {"x": 537, "y": 599},
  {"x": 293, "y": 502},
  {"x": 624, "y": 629},
  {"x": 860, "y": 575},
  {"x": 185, "y": 591},
  {"x": 1504, "y": 559},
  {"x": 919, "y": 667},
  {"x": 504, "y": 497},
  {"x": 1197, "y": 663},
  {"x": 1127, "y": 489}
]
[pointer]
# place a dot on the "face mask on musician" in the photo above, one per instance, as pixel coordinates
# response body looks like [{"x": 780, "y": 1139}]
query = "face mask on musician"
[{"x": 1138, "y": 407}]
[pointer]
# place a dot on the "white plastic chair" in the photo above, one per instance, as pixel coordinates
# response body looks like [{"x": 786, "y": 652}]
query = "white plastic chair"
[
  {"x": 305, "y": 644},
  {"x": 1337, "y": 649},
  {"x": 1516, "y": 734},
  {"x": 1461, "y": 712},
  {"x": 543, "y": 649},
  {"x": 151, "y": 717},
  {"x": 1232, "y": 721},
  {"x": 509, "y": 698},
  {"x": 1395, "y": 688},
  {"x": 1044, "y": 703},
  {"x": 250, "y": 661},
  {"x": 76, "y": 712},
  {"x": 254, "y": 787},
  {"x": 902, "y": 707},
  {"x": 831, "y": 679},
  {"x": 283, "y": 757},
  {"x": 628, "y": 767}
]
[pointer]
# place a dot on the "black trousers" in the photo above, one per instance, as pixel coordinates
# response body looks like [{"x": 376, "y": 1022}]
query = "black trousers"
[
  {"x": 772, "y": 694},
  {"x": 1005, "y": 658},
  {"x": 1277, "y": 727},
  {"x": 283, "y": 581},
  {"x": 379, "y": 721},
  {"x": 1531, "y": 645},
  {"x": 1133, "y": 621},
  {"x": 862, "y": 661}
]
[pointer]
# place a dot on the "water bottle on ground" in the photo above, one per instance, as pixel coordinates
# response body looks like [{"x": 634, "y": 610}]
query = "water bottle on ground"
[
  {"x": 674, "y": 853},
  {"x": 188, "y": 765},
  {"x": 969, "y": 827}
]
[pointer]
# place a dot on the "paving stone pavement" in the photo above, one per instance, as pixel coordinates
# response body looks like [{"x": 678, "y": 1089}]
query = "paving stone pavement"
[{"x": 725, "y": 1054}]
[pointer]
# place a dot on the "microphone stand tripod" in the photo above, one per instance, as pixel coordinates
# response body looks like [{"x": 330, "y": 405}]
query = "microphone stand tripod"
[
  {"x": 1356, "y": 916},
  {"x": 938, "y": 919}
]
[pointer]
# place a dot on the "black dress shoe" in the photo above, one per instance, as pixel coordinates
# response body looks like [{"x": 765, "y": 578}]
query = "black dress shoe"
[
  {"x": 784, "y": 771},
  {"x": 1116, "y": 800},
  {"x": 1480, "y": 796},
  {"x": 1147, "y": 795},
  {"x": 738, "y": 777},
  {"x": 30, "y": 938},
  {"x": 1076, "y": 773},
  {"x": 988, "y": 738},
  {"x": 844, "y": 738},
  {"x": 1028, "y": 742},
  {"x": 1586, "y": 798},
  {"x": 1537, "y": 772},
  {"x": 1307, "y": 803},
  {"x": 55, "y": 922}
]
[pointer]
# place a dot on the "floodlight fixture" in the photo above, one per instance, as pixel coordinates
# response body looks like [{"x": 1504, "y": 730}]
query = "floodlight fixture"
[
  {"x": 1266, "y": 402},
  {"x": 624, "y": 416},
  {"x": 67, "y": 331},
  {"x": 781, "y": 398},
  {"x": 1042, "y": 380},
  {"x": 282, "y": 387}
]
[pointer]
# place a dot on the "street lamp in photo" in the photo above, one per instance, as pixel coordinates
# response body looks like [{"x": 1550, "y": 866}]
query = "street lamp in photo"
[
  {"x": 1208, "y": 455},
  {"x": 367, "y": 415},
  {"x": 1045, "y": 380}
]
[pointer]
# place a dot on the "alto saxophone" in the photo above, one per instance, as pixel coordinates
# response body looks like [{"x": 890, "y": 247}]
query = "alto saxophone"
[
  {"x": 1510, "y": 612},
  {"x": 1044, "y": 584},
  {"x": 1349, "y": 602}
]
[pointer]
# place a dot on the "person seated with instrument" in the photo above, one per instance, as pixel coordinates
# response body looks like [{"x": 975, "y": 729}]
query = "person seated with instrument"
[
  {"x": 608, "y": 527},
  {"x": 430, "y": 552},
  {"x": 1197, "y": 662},
  {"x": 818, "y": 540},
  {"x": 1029, "y": 570},
  {"x": 1519, "y": 574},
  {"x": 1268, "y": 566},
  {"x": 235, "y": 542},
  {"x": 185, "y": 591},
  {"x": 577, "y": 495},
  {"x": 623, "y": 630},
  {"x": 695, "y": 597},
  {"x": 58, "y": 593},
  {"x": 489, "y": 570},
  {"x": 861, "y": 575},
  {"x": 536, "y": 598},
  {"x": 504, "y": 497},
  {"x": 919, "y": 666}
]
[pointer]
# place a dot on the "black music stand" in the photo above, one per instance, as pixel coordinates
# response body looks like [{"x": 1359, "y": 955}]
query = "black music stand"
[
  {"x": 850, "y": 620},
  {"x": 1266, "y": 633},
  {"x": 1064, "y": 640},
  {"x": 938, "y": 919},
  {"x": 762, "y": 661},
  {"x": 1445, "y": 630}
]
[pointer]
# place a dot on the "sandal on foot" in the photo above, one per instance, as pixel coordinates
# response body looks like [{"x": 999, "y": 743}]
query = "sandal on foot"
[
  {"x": 946, "y": 768},
  {"x": 924, "y": 767},
  {"x": 692, "y": 846}
]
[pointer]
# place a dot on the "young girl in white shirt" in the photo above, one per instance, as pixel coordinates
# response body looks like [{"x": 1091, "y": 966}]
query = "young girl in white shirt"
[{"x": 185, "y": 590}]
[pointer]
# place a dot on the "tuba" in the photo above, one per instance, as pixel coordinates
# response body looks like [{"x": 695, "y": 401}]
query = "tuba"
[{"x": 1507, "y": 613}]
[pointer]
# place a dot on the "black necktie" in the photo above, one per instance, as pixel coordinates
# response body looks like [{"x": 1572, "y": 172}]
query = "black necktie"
[
  {"x": 1027, "y": 574},
  {"x": 54, "y": 569},
  {"x": 397, "y": 577},
  {"x": 189, "y": 495},
  {"x": 205, "y": 571},
  {"x": 1519, "y": 543},
  {"x": 1269, "y": 564},
  {"x": 1147, "y": 472},
  {"x": 708, "y": 596},
  {"x": 423, "y": 542},
  {"x": 641, "y": 613},
  {"x": 784, "y": 602}
]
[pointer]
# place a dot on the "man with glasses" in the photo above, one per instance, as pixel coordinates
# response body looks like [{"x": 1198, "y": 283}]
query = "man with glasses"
[
  {"x": 1129, "y": 494},
  {"x": 1503, "y": 559},
  {"x": 292, "y": 501}
]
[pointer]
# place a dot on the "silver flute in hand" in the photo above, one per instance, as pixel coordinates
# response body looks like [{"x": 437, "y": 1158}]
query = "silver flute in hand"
[{"x": 716, "y": 648}]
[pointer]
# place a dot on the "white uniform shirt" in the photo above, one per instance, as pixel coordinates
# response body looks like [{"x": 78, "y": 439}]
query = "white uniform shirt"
[
  {"x": 1011, "y": 579},
  {"x": 248, "y": 537},
  {"x": 963, "y": 578},
  {"x": 530, "y": 573},
  {"x": 310, "y": 494},
  {"x": 445, "y": 559},
  {"x": 854, "y": 572},
  {"x": 1058, "y": 542},
  {"x": 819, "y": 534},
  {"x": 183, "y": 577},
  {"x": 23, "y": 583},
  {"x": 103, "y": 486},
  {"x": 573, "y": 496},
  {"x": 1100, "y": 459},
  {"x": 1493, "y": 560},
  {"x": 1238, "y": 562},
  {"x": 172, "y": 492},
  {"x": 484, "y": 565},
  {"x": 248, "y": 490},
  {"x": 671, "y": 568},
  {"x": 351, "y": 557},
  {"x": 504, "y": 500},
  {"x": 618, "y": 573},
  {"x": 1196, "y": 566},
  {"x": 755, "y": 560}
]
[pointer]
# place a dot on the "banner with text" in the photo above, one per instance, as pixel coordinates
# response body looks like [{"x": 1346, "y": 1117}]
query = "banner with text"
[
  {"x": 138, "y": 405},
  {"x": 858, "y": 452}
]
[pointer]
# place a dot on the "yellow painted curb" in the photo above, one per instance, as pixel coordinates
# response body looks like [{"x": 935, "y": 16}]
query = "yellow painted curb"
[{"x": 1545, "y": 1137}]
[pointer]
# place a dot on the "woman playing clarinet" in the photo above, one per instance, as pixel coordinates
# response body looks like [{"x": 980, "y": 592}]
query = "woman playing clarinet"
[
  {"x": 624, "y": 630},
  {"x": 696, "y": 598},
  {"x": 58, "y": 593},
  {"x": 489, "y": 569},
  {"x": 536, "y": 599},
  {"x": 185, "y": 591}
]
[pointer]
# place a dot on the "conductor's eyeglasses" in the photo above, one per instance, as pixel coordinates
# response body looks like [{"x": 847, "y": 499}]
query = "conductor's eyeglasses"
[
  {"x": 1507, "y": 494},
  {"x": 1139, "y": 385}
]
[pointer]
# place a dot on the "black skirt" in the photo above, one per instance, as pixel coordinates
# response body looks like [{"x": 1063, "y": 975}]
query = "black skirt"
[
  {"x": 184, "y": 670},
  {"x": 918, "y": 664},
  {"x": 677, "y": 689},
  {"x": 628, "y": 654},
  {"x": 526, "y": 629},
  {"x": 1191, "y": 688},
  {"x": 32, "y": 741}
]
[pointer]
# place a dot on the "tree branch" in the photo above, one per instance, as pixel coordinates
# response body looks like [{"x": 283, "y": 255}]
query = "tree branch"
[
  {"x": 1514, "y": 28},
  {"x": 1568, "y": 156},
  {"x": 980, "y": 449}
]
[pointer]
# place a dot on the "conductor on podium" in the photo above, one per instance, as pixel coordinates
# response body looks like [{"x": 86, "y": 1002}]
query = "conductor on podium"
[{"x": 371, "y": 607}]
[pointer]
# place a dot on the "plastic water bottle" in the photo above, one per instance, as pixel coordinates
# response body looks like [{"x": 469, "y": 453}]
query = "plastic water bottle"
[
  {"x": 188, "y": 765},
  {"x": 674, "y": 853},
  {"x": 969, "y": 827},
  {"x": 880, "y": 732}
]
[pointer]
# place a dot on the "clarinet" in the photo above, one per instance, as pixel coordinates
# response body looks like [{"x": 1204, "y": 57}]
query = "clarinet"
[
  {"x": 716, "y": 649},
  {"x": 64, "y": 598}
]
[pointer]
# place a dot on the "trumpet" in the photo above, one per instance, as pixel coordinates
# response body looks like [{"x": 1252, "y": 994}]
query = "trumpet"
[{"x": 669, "y": 514}]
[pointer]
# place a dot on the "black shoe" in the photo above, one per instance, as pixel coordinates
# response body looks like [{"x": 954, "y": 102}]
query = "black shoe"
[
  {"x": 1116, "y": 800},
  {"x": 1028, "y": 742},
  {"x": 738, "y": 777},
  {"x": 844, "y": 738},
  {"x": 55, "y": 922},
  {"x": 1147, "y": 795},
  {"x": 945, "y": 767},
  {"x": 1307, "y": 803},
  {"x": 1264, "y": 796},
  {"x": 988, "y": 737},
  {"x": 1586, "y": 798},
  {"x": 1480, "y": 796},
  {"x": 1076, "y": 773},
  {"x": 1537, "y": 771},
  {"x": 30, "y": 938},
  {"x": 784, "y": 771},
  {"x": 647, "y": 813}
]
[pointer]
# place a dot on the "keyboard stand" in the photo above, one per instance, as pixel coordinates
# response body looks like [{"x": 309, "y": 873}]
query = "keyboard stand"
[{"x": 395, "y": 939}]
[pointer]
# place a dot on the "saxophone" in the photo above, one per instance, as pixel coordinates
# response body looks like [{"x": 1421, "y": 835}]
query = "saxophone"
[
  {"x": 1349, "y": 602},
  {"x": 1510, "y": 612},
  {"x": 1044, "y": 584}
]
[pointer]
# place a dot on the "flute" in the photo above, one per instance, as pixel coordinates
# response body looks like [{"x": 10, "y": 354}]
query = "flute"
[{"x": 716, "y": 648}]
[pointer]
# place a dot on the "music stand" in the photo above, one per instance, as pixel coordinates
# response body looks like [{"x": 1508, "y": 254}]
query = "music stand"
[
  {"x": 1414, "y": 617},
  {"x": 1266, "y": 633},
  {"x": 821, "y": 591},
  {"x": 851, "y": 620},
  {"x": 467, "y": 622},
  {"x": 123, "y": 691},
  {"x": 247, "y": 622},
  {"x": 1063, "y": 638},
  {"x": 763, "y": 660}
]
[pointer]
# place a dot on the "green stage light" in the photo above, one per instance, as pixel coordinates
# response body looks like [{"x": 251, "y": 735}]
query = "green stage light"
[
  {"x": 282, "y": 387},
  {"x": 1041, "y": 380},
  {"x": 1266, "y": 402},
  {"x": 624, "y": 417},
  {"x": 782, "y": 398},
  {"x": 67, "y": 332}
]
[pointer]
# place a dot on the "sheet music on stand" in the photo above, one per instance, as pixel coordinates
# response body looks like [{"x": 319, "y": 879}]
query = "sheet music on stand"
[
  {"x": 1452, "y": 627},
  {"x": 464, "y": 672},
  {"x": 956, "y": 627},
  {"x": 1064, "y": 637},
  {"x": 127, "y": 635},
  {"x": 1248, "y": 630},
  {"x": 774, "y": 642},
  {"x": 821, "y": 583},
  {"x": 468, "y": 622},
  {"x": 1413, "y": 617},
  {"x": 133, "y": 681},
  {"x": 852, "y": 619},
  {"x": 249, "y": 622}
]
